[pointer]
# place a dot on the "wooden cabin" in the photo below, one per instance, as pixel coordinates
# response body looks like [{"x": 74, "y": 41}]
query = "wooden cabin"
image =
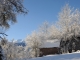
[{"x": 50, "y": 47}]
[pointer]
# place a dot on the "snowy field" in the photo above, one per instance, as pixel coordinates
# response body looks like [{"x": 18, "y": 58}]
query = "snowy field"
[{"x": 69, "y": 56}]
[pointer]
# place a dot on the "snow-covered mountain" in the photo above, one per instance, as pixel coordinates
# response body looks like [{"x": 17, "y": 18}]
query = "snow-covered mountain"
[{"x": 19, "y": 42}]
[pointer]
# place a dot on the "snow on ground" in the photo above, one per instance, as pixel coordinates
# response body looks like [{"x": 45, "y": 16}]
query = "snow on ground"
[{"x": 69, "y": 56}]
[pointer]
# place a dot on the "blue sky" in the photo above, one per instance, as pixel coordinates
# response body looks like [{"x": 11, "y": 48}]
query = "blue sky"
[{"x": 39, "y": 12}]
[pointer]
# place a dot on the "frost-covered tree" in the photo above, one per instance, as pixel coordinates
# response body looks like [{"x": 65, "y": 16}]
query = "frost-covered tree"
[
  {"x": 1, "y": 54},
  {"x": 8, "y": 49},
  {"x": 69, "y": 20},
  {"x": 65, "y": 19},
  {"x": 54, "y": 32},
  {"x": 65, "y": 23},
  {"x": 43, "y": 30},
  {"x": 8, "y": 11},
  {"x": 69, "y": 23},
  {"x": 3, "y": 42},
  {"x": 13, "y": 52},
  {"x": 33, "y": 42}
]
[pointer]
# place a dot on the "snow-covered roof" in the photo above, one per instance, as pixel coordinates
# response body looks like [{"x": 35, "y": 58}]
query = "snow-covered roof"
[{"x": 51, "y": 43}]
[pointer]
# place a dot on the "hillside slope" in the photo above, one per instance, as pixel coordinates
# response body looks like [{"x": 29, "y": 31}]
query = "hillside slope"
[{"x": 69, "y": 56}]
